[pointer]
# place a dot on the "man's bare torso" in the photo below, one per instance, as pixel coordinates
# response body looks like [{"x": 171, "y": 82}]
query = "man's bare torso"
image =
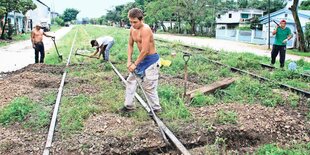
[
  {"x": 136, "y": 36},
  {"x": 37, "y": 35}
]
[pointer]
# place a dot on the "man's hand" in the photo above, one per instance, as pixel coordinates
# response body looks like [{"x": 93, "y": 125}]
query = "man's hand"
[
  {"x": 128, "y": 64},
  {"x": 132, "y": 67},
  {"x": 284, "y": 41}
]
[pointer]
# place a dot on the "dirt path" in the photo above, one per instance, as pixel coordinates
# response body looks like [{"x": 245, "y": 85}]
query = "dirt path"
[
  {"x": 226, "y": 45},
  {"x": 21, "y": 54}
]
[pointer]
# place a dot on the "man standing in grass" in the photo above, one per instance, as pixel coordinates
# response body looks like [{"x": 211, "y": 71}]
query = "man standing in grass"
[
  {"x": 37, "y": 43},
  {"x": 146, "y": 66},
  {"x": 283, "y": 34},
  {"x": 103, "y": 46}
]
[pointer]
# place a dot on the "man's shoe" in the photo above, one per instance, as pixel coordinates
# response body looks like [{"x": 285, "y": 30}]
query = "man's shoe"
[
  {"x": 157, "y": 111},
  {"x": 125, "y": 109}
]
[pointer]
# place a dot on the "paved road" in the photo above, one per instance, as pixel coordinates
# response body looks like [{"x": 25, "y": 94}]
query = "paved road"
[
  {"x": 226, "y": 45},
  {"x": 20, "y": 54}
]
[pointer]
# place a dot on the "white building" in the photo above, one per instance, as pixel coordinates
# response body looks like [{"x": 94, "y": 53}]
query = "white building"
[
  {"x": 233, "y": 19},
  {"x": 42, "y": 14}
]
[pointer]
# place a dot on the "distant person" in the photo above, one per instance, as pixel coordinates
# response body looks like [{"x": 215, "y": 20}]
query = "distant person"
[
  {"x": 103, "y": 46},
  {"x": 37, "y": 43},
  {"x": 145, "y": 67},
  {"x": 283, "y": 34}
]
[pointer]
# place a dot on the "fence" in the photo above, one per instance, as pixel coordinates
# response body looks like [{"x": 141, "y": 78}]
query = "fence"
[{"x": 250, "y": 36}]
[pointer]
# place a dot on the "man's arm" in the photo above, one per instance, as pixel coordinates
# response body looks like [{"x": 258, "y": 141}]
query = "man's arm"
[
  {"x": 95, "y": 53},
  {"x": 130, "y": 49},
  {"x": 289, "y": 36},
  {"x": 48, "y": 35},
  {"x": 32, "y": 38},
  {"x": 146, "y": 37},
  {"x": 275, "y": 31}
]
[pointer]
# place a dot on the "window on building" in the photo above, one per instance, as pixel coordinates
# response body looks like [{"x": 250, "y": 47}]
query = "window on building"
[
  {"x": 285, "y": 15},
  {"x": 218, "y": 16},
  {"x": 229, "y": 15},
  {"x": 244, "y": 15}
]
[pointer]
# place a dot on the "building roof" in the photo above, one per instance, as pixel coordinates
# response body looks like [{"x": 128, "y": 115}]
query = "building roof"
[
  {"x": 43, "y": 4},
  {"x": 242, "y": 10},
  {"x": 301, "y": 13}
]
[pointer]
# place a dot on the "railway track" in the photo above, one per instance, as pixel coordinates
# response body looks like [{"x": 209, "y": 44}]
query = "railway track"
[
  {"x": 48, "y": 145},
  {"x": 50, "y": 135},
  {"x": 235, "y": 69}
]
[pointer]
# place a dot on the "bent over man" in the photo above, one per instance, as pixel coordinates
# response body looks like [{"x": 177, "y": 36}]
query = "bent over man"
[{"x": 103, "y": 46}]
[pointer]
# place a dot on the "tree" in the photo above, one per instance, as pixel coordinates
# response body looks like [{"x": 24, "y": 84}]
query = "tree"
[
  {"x": 101, "y": 20},
  {"x": 59, "y": 21},
  {"x": 307, "y": 35},
  {"x": 194, "y": 11},
  {"x": 301, "y": 37},
  {"x": 7, "y": 6},
  {"x": 305, "y": 5},
  {"x": 115, "y": 15},
  {"x": 160, "y": 11},
  {"x": 70, "y": 14},
  {"x": 125, "y": 10}
]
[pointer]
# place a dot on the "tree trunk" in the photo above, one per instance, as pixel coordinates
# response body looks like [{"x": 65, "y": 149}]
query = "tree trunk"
[
  {"x": 193, "y": 27},
  {"x": 3, "y": 28},
  {"x": 301, "y": 37},
  {"x": 163, "y": 26}
]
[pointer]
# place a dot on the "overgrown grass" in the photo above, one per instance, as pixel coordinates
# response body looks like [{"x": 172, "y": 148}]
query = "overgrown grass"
[
  {"x": 173, "y": 106},
  {"x": 74, "y": 111},
  {"x": 298, "y": 149},
  {"x": 25, "y": 111},
  {"x": 297, "y": 52},
  {"x": 249, "y": 62},
  {"x": 16, "y": 111},
  {"x": 202, "y": 100}
]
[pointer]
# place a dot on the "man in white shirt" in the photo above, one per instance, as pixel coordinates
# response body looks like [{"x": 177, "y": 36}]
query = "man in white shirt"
[{"x": 103, "y": 45}]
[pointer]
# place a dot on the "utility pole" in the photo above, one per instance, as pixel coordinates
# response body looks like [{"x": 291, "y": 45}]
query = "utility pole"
[{"x": 268, "y": 24}]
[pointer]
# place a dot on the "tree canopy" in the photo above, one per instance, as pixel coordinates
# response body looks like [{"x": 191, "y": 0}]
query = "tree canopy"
[{"x": 70, "y": 14}]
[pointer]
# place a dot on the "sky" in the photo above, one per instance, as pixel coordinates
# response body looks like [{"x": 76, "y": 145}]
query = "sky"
[{"x": 87, "y": 8}]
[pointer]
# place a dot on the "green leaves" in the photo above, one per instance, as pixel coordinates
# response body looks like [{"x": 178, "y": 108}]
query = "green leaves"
[{"x": 70, "y": 14}]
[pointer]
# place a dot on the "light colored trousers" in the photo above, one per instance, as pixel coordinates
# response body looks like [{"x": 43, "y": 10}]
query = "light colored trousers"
[
  {"x": 149, "y": 84},
  {"x": 106, "y": 53}
]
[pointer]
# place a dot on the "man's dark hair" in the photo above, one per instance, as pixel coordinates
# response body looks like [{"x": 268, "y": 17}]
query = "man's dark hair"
[
  {"x": 135, "y": 13},
  {"x": 92, "y": 42}
]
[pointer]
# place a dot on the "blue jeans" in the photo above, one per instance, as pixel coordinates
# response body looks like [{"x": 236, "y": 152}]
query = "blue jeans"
[{"x": 106, "y": 53}]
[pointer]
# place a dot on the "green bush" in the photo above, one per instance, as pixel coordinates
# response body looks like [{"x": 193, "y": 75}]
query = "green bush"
[
  {"x": 201, "y": 100},
  {"x": 16, "y": 111},
  {"x": 273, "y": 149}
]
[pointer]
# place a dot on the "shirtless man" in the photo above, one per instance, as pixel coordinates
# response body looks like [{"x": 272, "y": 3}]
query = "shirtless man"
[
  {"x": 146, "y": 66},
  {"x": 37, "y": 43}
]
